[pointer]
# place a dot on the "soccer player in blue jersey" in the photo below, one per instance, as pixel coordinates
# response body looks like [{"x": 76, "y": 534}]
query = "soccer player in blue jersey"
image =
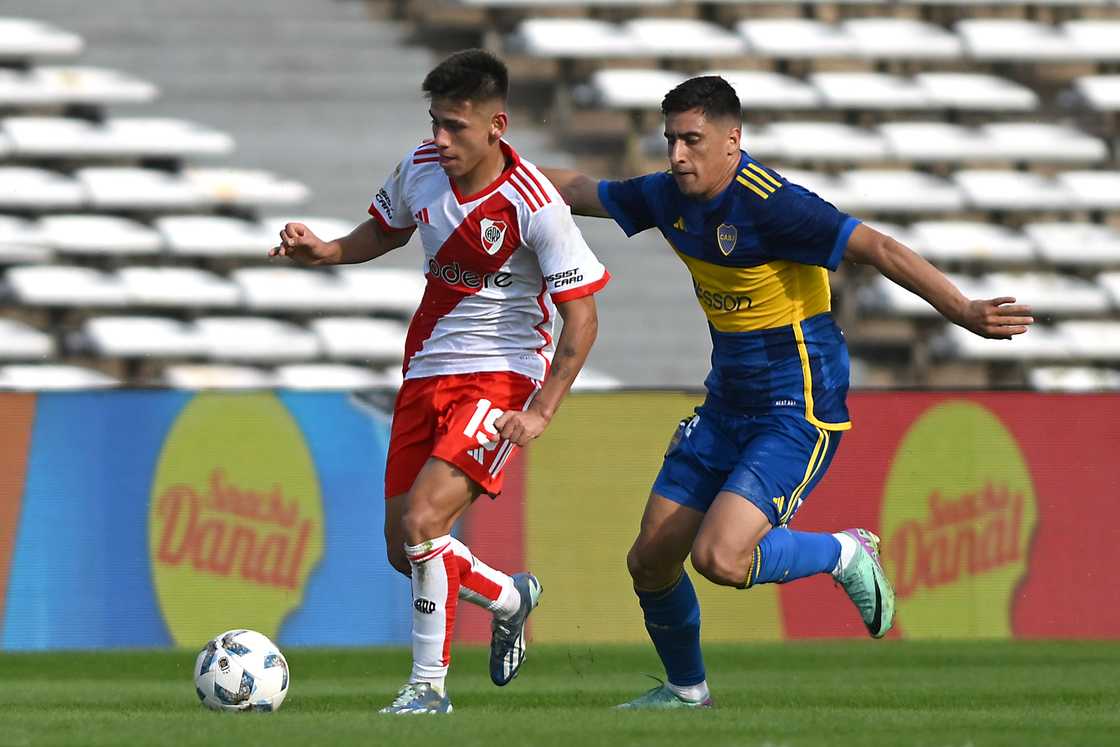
[{"x": 759, "y": 249}]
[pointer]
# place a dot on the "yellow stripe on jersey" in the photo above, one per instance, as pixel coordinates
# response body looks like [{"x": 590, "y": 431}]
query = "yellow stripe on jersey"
[
  {"x": 765, "y": 175},
  {"x": 747, "y": 299},
  {"x": 758, "y": 180},
  {"x": 807, "y": 375},
  {"x": 752, "y": 187}
]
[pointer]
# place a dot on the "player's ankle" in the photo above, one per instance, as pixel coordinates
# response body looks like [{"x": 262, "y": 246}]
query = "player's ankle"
[
  {"x": 848, "y": 549},
  {"x": 692, "y": 693},
  {"x": 437, "y": 683}
]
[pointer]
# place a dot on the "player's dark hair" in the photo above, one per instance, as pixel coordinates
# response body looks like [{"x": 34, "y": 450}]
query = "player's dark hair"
[
  {"x": 470, "y": 75},
  {"x": 710, "y": 94}
]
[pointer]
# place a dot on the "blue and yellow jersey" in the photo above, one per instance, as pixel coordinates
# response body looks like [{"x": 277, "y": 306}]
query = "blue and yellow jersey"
[{"x": 759, "y": 255}]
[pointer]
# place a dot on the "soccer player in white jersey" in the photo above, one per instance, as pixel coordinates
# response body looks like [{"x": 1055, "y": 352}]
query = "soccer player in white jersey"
[{"x": 502, "y": 256}]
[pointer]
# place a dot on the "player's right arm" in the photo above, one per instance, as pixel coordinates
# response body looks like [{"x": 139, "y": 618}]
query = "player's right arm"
[
  {"x": 368, "y": 241},
  {"x": 579, "y": 190}
]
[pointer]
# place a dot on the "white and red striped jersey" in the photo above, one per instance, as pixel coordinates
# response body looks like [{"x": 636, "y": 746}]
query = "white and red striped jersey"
[{"x": 496, "y": 262}]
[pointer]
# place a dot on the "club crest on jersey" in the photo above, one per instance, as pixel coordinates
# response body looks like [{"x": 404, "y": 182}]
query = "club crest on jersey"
[
  {"x": 493, "y": 234},
  {"x": 727, "y": 236}
]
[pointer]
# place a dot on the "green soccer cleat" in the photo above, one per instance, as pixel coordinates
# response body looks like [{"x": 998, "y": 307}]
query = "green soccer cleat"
[
  {"x": 418, "y": 697},
  {"x": 662, "y": 698},
  {"x": 507, "y": 637},
  {"x": 867, "y": 586}
]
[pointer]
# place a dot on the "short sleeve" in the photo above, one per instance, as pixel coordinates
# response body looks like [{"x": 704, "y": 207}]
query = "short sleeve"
[
  {"x": 570, "y": 269},
  {"x": 628, "y": 203},
  {"x": 794, "y": 223},
  {"x": 390, "y": 206}
]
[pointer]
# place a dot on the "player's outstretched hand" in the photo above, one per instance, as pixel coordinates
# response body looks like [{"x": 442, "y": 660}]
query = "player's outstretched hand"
[
  {"x": 302, "y": 246},
  {"x": 521, "y": 427},
  {"x": 997, "y": 318}
]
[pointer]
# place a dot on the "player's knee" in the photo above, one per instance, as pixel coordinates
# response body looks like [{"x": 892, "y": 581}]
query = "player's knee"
[
  {"x": 399, "y": 560},
  {"x": 420, "y": 523},
  {"x": 720, "y": 567},
  {"x": 645, "y": 567}
]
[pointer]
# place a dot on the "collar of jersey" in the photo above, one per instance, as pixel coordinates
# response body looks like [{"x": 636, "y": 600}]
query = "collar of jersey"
[{"x": 514, "y": 162}]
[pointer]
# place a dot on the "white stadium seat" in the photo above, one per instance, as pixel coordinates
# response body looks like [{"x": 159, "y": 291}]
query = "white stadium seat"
[
  {"x": 795, "y": 38},
  {"x": 1110, "y": 281},
  {"x": 216, "y": 376},
  {"x": 1042, "y": 342},
  {"x": 24, "y": 39},
  {"x": 255, "y": 339},
  {"x": 324, "y": 228},
  {"x": 178, "y": 287},
  {"x": 976, "y": 92},
  {"x": 215, "y": 236},
  {"x": 5, "y": 146},
  {"x": 922, "y": 142},
  {"x": 360, "y": 338},
  {"x": 827, "y": 141},
  {"x": 1087, "y": 244},
  {"x": 21, "y": 341},
  {"x": 887, "y": 297},
  {"x": 1101, "y": 92},
  {"x": 56, "y": 285},
  {"x": 61, "y": 86},
  {"x": 898, "y": 191},
  {"x": 104, "y": 235},
  {"x": 64, "y": 137},
  {"x": 759, "y": 141},
  {"x": 27, "y": 188},
  {"x": 1098, "y": 190},
  {"x": 248, "y": 187},
  {"x": 127, "y": 188},
  {"x": 292, "y": 290},
  {"x": 902, "y": 38},
  {"x": 683, "y": 37},
  {"x": 574, "y": 38},
  {"x": 1042, "y": 141},
  {"x": 990, "y": 189},
  {"x": 632, "y": 89},
  {"x": 1013, "y": 39},
  {"x": 1073, "y": 379},
  {"x": 1051, "y": 293},
  {"x": 869, "y": 91},
  {"x": 760, "y": 89},
  {"x": 48, "y": 376},
  {"x": 385, "y": 289},
  {"x": 970, "y": 241},
  {"x": 330, "y": 376},
  {"x": 1092, "y": 339},
  {"x": 22, "y": 241},
  {"x": 591, "y": 380},
  {"x": 560, "y": 3},
  {"x": 139, "y": 336},
  {"x": 1093, "y": 39}
]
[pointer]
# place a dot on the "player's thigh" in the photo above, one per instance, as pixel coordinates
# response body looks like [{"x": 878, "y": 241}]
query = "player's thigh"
[
  {"x": 701, "y": 455},
  {"x": 437, "y": 499},
  {"x": 664, "y": 538},
  {"x": 727, "y": 538}
]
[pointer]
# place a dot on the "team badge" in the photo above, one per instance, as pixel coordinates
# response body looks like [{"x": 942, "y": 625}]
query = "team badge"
[
  {"x": 727, "y": 236},
  {"x": 493, "y": 234}
]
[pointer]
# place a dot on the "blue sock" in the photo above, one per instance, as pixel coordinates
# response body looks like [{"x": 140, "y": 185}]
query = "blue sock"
[
  {"x": 784, "y": 555},
  {"x": 673, "y": 623}
]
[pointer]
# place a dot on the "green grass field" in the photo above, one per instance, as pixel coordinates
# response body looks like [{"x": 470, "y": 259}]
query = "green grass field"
[{"x": 857, "y": 693}]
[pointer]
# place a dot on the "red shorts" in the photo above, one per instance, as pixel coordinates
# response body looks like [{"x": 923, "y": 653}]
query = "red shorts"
[{"x": 452, "y": 418}]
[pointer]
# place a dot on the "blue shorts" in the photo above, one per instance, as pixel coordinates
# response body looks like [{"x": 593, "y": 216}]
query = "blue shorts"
[{"x": 773, "y": 460}]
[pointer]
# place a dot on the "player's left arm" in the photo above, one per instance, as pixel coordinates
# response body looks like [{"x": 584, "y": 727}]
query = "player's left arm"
[
  {"x": 581, "y": 326},
  {"x": 997, "y": 318}
]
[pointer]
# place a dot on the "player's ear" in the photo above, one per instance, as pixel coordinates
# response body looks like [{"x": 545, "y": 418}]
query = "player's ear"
[
  {"x": 734, "y": 138},
  {"x": 499, "y": 123}
]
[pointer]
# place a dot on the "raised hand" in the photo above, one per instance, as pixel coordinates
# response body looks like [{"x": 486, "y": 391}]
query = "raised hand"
[
  {"x": 302, "y": 246},
  {"x": 997, "y": 318}
]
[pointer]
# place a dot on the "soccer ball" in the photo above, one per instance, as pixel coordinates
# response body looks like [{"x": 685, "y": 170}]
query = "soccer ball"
[{"x": 241, "y": 670}]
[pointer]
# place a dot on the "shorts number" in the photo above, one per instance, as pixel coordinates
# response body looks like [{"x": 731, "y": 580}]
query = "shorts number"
[{"x": 481, "y": 426}]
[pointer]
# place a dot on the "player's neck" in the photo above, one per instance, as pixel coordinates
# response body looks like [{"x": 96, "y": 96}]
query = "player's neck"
[
  {"x": 723, "y": 183},
  {"x": 485, "y": 173}
]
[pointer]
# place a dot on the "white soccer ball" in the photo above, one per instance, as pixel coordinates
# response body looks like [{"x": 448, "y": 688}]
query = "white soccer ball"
[{"x": 241, "y": 670}]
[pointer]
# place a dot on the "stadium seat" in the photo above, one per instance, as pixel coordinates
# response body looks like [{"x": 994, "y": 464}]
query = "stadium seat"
[
  {"x": 385, "y": 289},
  {"x": 922, "y": 142},
  {"x": 246, "y": 187},
  {"x": 901, "y": 38},
  {"x": 140, "y": 336},
  {"x": 5, "y": 147},
  {"x": 255, "y": 339},
  {"x": 1092, "y": 339},
  {"x": 21, "y": 241},
  {"x": 25, "y": 39},
  {"x": 1042, "y": 342},
  {"x": 976, "y": 92},
  {"x": 970, "y": 241},
  {"x": 898, "y": 191},
  {"x": 215, "y": 236},
  {"x": 101, "y": 235},
  {"x": 21, "y": 341},
  {"x": 291, "y": 290},
  {"x": 1101, "y": 92},
  {"x": 632, "y": 88},
  {"x": 759, "y": 89},
  {"x": 561, "y": 3},
  {"x": 1051, "y": 293},
  {"x": 135, "y": 189},
  {"x": 590, "y": 380},
  {"x": 31, "y": 189},
  {"x": 1110, "y": 281},
  {"x": 759, "y": 141},
  {"x": 1093, "y": 190},
  {"x": 1073, "y": 379},
  {"x": 360, "y": 338},
  {"x": 328, "y": 376},
  {"x": 795, "y": 38},
  {"x": 59, "y": 285},
  {"x": 64, "y": 86},
  {"x": 869, "y": 91},
  {"x": 216, "y": 376},
  {"x": 1013, "y": 39},
  {"x": 1039, "y": 142},
  {"x": 683, "y": 37},
  {"x": 891, "y": 299},
  {"x": 48, "y": 376},
  {"x": 1093, "y": 38},
  {"x": 63, "y": 137},
  {"x": 1080, "y": 244},
  {"x": 178, "y": 288},
  {"x": 572, "y": 38},
  {"x": 990, "y": 189},
  {"x": 827, "y": 141}
]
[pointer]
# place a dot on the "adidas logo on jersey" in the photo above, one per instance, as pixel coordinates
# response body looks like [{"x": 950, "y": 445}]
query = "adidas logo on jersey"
[{"x": 476, "y": 454}]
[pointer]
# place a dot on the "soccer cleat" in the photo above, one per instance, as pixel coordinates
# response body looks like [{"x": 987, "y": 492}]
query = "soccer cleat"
[
  {"x": 867, "y": 586},
  {"x": 418, "y": 697},
  {"x": 507, "y": 637},
  {"x": 662, "y": 698}
]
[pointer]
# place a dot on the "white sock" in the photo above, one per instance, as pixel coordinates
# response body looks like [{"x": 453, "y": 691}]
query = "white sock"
[
  {"x": 435, "y": 596},
  {"x": 482, "y": 585},
  {"x": 691, "y": 693},
  {"x": 848, "y": 549}
]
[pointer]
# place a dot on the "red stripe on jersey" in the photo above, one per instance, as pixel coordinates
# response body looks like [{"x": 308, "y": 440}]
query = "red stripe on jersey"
[
  {"x": 521, "y": 177},
  {"x": 524, "y": 192},
  {"x": 543, "y": 191},
  {"x": 542, "y": 328},
  {"x": 425, "y": 160},
  {"x": 384, "y": 223},
  {"x": 460, "y": 256},
  {"x": 583, "y": 290}
]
